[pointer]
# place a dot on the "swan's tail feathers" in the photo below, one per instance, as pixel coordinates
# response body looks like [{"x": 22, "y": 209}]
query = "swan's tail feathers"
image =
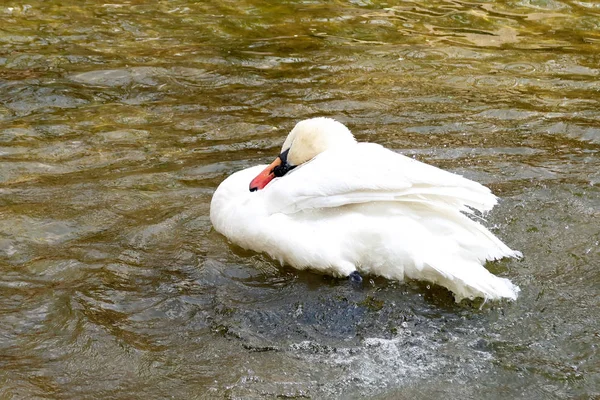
[{"x": 469, "y": 279}]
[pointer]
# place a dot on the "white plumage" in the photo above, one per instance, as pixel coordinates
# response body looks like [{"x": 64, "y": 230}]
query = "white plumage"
[{"x": 360, "y": 207}]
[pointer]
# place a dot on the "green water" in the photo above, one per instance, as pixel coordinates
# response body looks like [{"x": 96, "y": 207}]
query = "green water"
[{"x": 118, "y": 121}]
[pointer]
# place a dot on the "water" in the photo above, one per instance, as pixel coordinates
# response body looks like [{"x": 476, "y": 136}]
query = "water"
[{"x": 118, "y": 120}]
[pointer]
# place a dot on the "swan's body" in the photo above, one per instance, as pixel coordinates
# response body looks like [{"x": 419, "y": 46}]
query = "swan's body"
[{"x": 360, "y": 207}]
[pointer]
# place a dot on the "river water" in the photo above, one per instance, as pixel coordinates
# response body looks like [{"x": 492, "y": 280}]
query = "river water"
[{"x": 119, "y": 119}]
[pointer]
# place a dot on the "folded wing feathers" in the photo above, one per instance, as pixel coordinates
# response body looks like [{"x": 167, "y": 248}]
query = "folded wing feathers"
[
  {"x": 369, "y": 173},
  {"x": 335, "y": 179}
]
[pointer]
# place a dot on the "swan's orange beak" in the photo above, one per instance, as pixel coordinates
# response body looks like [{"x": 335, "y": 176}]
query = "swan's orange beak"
[{"x": 265, "y": 177}]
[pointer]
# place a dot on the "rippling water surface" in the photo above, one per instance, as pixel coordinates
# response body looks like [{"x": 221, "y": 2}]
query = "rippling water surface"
[{"x": 118, "y": 120}]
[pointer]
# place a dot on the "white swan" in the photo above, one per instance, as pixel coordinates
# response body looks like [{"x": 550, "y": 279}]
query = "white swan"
[{"x": 340, "y": 207}]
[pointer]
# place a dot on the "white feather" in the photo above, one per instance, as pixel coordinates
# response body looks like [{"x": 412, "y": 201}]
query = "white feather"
[{"x": 363, "y": 207}]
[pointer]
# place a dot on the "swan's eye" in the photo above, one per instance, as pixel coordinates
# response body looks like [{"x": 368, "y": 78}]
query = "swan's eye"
[
  {"x": 281, "y": 170},
  {"x": 284, "y": 167}
]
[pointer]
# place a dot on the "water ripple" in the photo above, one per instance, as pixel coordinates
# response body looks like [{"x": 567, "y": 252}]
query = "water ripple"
[{"x": 118, "y": 121}]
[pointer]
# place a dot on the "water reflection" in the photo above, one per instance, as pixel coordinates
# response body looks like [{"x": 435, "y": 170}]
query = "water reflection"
[{"x": 118, "y": 120}]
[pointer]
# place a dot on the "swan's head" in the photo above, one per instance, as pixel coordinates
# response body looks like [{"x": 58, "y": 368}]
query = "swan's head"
[{"x": 308, "y": 139}]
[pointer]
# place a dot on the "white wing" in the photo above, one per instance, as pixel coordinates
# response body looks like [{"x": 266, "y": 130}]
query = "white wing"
[{"x": 367, "y": 172}]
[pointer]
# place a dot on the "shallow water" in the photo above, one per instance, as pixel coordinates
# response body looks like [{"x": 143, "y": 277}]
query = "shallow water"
[{"x": 118, "y": 121}]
